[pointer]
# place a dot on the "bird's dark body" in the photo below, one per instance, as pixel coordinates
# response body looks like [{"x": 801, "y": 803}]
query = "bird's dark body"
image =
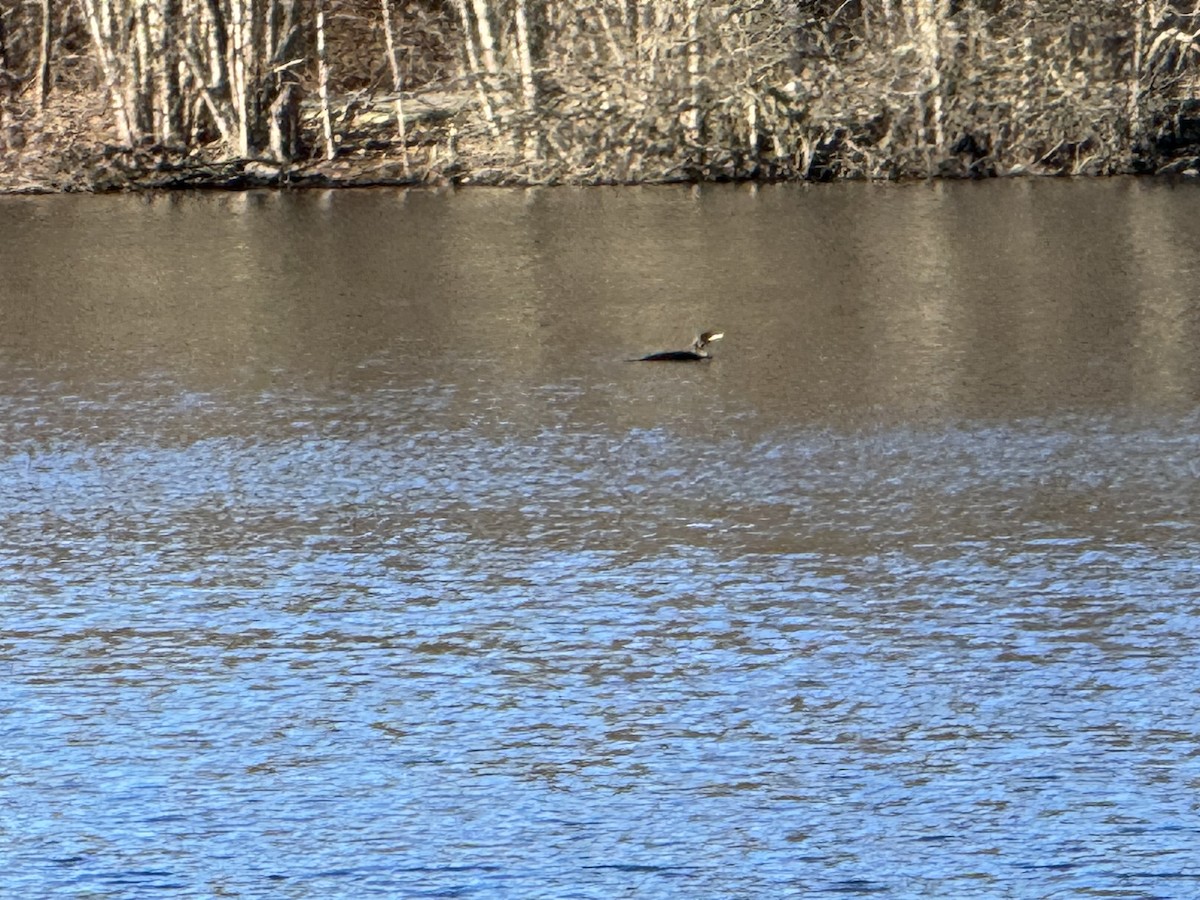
[
  {"x": 674, "y": 356},
  {"x": 698, "y": 350}
]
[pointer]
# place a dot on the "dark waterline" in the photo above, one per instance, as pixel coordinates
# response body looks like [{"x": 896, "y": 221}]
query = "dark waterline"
[{"x": 342, "y": 552}]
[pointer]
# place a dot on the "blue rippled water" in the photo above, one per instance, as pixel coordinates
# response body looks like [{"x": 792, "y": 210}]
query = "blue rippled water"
[
  {"x": 427, "y": 662},
  {"x": 438, "y": 628}
]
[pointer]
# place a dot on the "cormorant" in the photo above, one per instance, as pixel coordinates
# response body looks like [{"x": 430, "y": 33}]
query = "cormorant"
[{"x": 698, "y": 350}]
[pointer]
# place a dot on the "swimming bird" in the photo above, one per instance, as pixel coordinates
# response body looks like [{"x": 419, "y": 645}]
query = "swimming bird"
[{"x": 698, "y": 350}]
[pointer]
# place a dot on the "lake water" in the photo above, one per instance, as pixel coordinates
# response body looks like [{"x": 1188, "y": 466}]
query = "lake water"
[{"x": 344, "y": 553}]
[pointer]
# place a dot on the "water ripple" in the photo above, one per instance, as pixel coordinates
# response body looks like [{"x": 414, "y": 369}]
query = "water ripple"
[{"x": 908, "y": 662}]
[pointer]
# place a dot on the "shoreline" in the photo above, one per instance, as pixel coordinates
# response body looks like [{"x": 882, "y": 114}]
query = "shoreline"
[
  {"x": 53, "y": 162},
  {"x": 256, "y": 174},
  {"x": 63, "y": 167}
]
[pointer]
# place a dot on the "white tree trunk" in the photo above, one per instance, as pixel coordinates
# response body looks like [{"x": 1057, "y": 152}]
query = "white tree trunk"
[
  {"x": 397, "y": 80},
  {"x": 44, "y": 57},
  {"x": 238, "y": 29},
  {"x": 99, "y": 17},
  {"x": 473, "y": 65},
  {"x": 533, "y": 148},
  {"x": 487, "y": 40},
  {"x": 693, "y": 119},
  {"x": 931, "y": 14},
  {"x": 323, "y": 86},
  {"x": 525, "y": 57},
  {"x": 1135, "y": 69}
]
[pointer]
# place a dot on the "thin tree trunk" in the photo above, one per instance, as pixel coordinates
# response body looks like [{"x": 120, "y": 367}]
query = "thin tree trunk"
[
  {"x": 216, "y": 109},
  {"x": 169, "y": 86},
  {"x": 473, "y": 66},
  {"x": 323, "y": 86},
  {"x": 487, "y": 40},
  {"x": 525, "y": 57},
  {"x": 1135, "y": 70},
  {"x": 397, "y": 81},
  {"x": 489, "y": 53},
  {"x": 283, "y": 125},
  {"x": 237, "y": 74},
  {"x": 752, "y": 124},
  {"x": 44, "y": 57},
  {"x": 3, "y": 45},
  {"x": 98, "y": 14},
  {"x": 693, "y": 119},
  {"x": 282, "y": 35},
  {"x": 529, "y": 91},
  {"x": 145, "y": 62},
  {"x": 930, "y": 20},
  {"x": 218, "y": 47},
  {"x": 258, "y": 60}
]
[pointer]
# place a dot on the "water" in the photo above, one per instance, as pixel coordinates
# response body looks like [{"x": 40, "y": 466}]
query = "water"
[{"x": 343, "y": 553}]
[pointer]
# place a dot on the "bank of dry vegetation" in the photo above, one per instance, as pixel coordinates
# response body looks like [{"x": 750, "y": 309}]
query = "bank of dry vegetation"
[{"x": 108, "y": 94}]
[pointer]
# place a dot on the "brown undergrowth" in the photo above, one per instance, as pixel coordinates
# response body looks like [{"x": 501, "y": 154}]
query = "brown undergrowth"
[{"x": 516, "y": 92}]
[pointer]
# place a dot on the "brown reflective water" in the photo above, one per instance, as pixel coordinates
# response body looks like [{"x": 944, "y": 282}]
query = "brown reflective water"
[{"x": 343, "y": 550}]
